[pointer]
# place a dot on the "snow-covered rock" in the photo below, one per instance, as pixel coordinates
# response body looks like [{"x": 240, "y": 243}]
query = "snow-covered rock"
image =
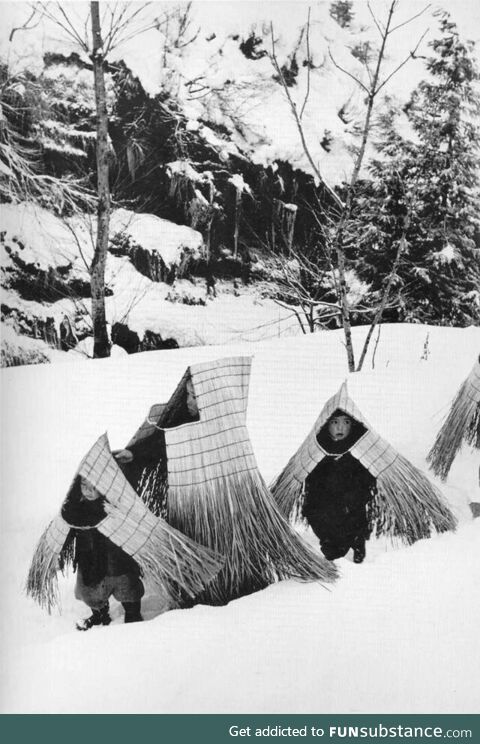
[{"x": 157, "y": 235}]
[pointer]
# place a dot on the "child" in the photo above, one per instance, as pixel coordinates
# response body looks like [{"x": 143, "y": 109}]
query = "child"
[
  {"x": 144, "y": 462},
  {"x": 103, "y": 568},
  {"x": 348, "y": 481},
  {"x": 338, "y": 490},
  {"x": 192, "y": 462}
]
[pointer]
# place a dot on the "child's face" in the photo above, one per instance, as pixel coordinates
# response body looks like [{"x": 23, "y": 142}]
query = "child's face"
[
  {"x": 191, "y": 399},
  {"x": 88, "y": 491},
  {"x": 339, "y": 427}
]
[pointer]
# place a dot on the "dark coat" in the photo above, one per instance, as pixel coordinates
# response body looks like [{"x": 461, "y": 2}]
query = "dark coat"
[
  {"x": 95, "y": 555},
  {"x": 148, "y": 455},
  {"x": 148, "y": 470},
  {"x": 338, "y": 490}
]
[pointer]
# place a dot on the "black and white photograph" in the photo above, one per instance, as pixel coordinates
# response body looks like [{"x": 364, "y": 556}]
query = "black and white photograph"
[{"x": 240, "y": 347}]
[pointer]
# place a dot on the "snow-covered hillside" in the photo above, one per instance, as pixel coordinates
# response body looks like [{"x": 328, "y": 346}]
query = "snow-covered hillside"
[
  {"x": 202, "y": 65},
  {"x": 55, "y": 253},
  {"x": 398, "y": 633},
  {"x": 206, "y": 151}
]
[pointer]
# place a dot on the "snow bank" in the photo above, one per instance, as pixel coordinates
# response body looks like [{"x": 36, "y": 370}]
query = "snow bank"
[
  {"x": 38, "y": 239},
  {"x": 45, "y": 241},
  {"x": 225, "y": 319},
  {"x": 41, "y": 239},
  {"x": 157, "y": 235},
  {"x": 396, "y": 634}
]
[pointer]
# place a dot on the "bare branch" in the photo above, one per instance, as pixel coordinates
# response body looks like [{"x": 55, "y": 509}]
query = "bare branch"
[
  {"x": 79, "y": 245},
  {"x": 402, "y": 64},
  {"x": 369, "y": 72},
  {"x": 376, "y": 346},
  {"x": 125, "y": 21},
  {"x": 342, "y": 69},
  {"x": 293, "y": 108},
  {"x": 25, "y": 26},
  {"x": 376, "y": 22},
  {"x": 137, "y": 32},
  {"x": 307, "y": 92},
  {"x": 107, "y": 35},
  {"x": 115, "y": 23},
  {"x": 73, "y": 31},
  {"x": 405, "y": 23},
  {"x": 295, "y": 312}
]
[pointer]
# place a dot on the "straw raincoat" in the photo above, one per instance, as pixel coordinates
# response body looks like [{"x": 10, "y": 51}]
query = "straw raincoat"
[
  {"x": 215, "y": 492},
  {"x": 170, "y": 561},
  {"x": 406, "y": 504},
  {"x": 461, "y": 425}
]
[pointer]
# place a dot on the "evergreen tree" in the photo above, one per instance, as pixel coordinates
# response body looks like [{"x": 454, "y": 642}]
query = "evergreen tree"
[
  {"x": 341, "y": 11},
  {"x": 433, "y": 177}
]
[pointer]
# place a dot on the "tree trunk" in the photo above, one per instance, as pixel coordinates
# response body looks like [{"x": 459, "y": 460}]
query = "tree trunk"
[
  {"x": 386, "y": 292},
  {"x": 347, "y": 209},
  {"x": 101, "y": 343},
  {"x": 345, "y": 308},
  {"x": 238, "y": 207}
]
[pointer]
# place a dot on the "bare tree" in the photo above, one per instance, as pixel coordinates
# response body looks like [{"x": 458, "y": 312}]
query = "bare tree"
[
  {"x": 295, "y": 283},
  {"x": 343, "y": 209},
  {"x": 118, "y": 23},
  {"x": 101, "y": 343}
]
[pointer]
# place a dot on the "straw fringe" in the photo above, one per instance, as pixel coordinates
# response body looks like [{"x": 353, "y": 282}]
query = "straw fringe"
[
  {"x": 407, "y": 505},
  {"x": 167, "y": 559},
  {"x": 237, "y": 518},
  {"x": 287, "y": 490},
  {"x": 215, "y": 493},
  {"x": 461, "y": 425},
  {"x": 42, "y": 581}
]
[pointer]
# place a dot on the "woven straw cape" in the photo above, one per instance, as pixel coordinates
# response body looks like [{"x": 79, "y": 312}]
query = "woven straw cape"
[
  {"x": 168, "y": 559},
  {"x": 406, "y": 504},
  {"x": 461, "y": 425},
  {"x": 216, "y": 494}
]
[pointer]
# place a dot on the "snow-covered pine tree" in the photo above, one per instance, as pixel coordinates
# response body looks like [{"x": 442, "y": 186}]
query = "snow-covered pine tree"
[
  {"x": 432, "y": 175},
  {"x": 341, "y": 11}
]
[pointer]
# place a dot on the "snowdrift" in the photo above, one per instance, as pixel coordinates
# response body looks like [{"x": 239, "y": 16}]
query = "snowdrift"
[{"x": 398, "y": 633}]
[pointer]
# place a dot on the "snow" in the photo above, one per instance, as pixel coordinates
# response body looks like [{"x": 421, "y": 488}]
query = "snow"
[
  {"x": 184, "y": 168},
  {"x": 49, "y": 241},
  {"x": 226, "y": 319},
  {"x": 398, "y": 633},
  {"x": 41, "y": 239},
  {"x": 157, "y": 235},
  {"x": 38, "y": 230},
  {"x": 239, "y": 184},
  {"x": 13, "y": 343},
  {"x": 446, "y": 255},
  {"x": 215, "y": 82}
]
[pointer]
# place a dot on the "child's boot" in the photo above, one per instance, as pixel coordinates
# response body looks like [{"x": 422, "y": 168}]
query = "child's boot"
[
  {"x": 132, "y": 612},
  {"x": 359, "y": 550},
  {"x": 98, "y": 617}
]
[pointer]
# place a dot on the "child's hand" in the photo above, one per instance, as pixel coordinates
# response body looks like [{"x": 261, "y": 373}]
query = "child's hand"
[{"x": 123, "y": 456}]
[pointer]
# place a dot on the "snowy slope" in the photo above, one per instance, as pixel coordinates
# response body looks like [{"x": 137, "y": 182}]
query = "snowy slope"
[
  {"x": 216, "y": 83},
  {"x": 45, "y": 243},
  {"x": 398, "y": 633}
]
